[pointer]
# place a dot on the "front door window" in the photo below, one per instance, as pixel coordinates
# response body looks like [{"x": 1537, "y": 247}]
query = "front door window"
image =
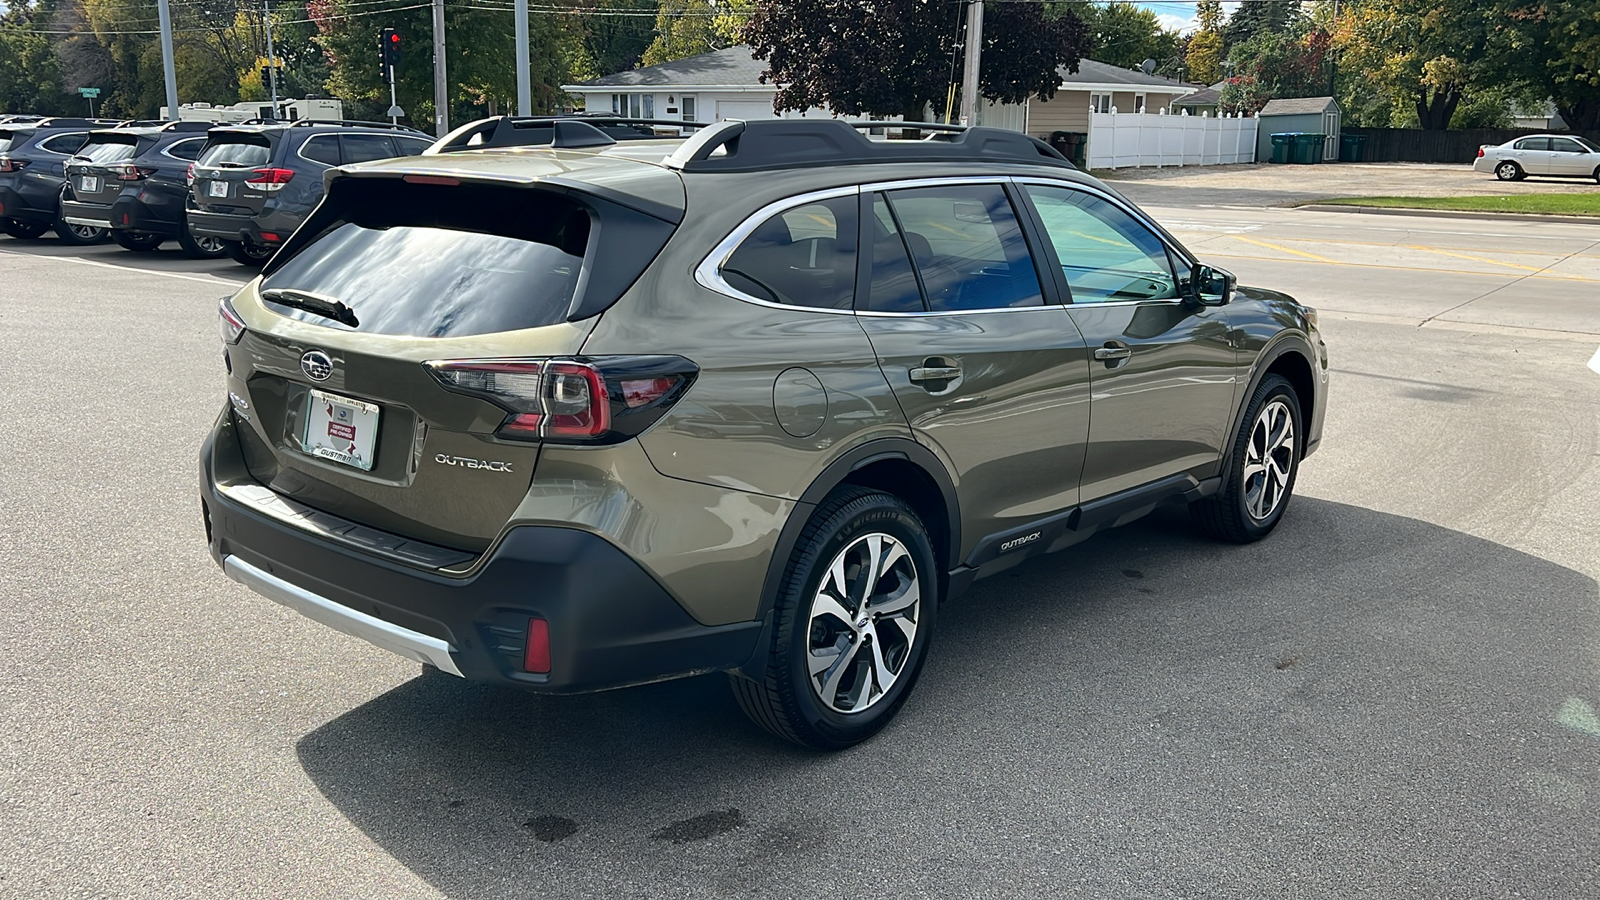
[{"x": 1104, "y": 253}]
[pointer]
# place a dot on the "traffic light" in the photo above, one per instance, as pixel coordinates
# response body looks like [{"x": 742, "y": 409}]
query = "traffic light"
[{"x": 389, "y": 52}]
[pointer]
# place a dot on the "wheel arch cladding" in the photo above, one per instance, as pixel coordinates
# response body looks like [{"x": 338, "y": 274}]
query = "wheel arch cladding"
[
  {"x": 908, "y": 481},
  {"x": 1296, "y": 369}
]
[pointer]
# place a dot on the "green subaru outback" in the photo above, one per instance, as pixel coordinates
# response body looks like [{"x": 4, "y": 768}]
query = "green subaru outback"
[{"x": 551, "y": 409}]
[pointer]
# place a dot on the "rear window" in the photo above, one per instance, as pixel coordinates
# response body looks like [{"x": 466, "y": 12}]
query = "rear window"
[
  {"x": 106, "y": 151},
  {"x": 448, "y": 261},
  {"x": 5, "y": 140},
  {"x": 236, "y": 155}
]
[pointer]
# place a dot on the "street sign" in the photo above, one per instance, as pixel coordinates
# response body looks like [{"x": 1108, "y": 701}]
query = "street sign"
[
  {"x": 88, "y": 92},
  {"x": 395, "y": 112}
]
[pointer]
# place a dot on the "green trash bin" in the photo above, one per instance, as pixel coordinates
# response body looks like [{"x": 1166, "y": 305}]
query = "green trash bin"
[
  {"x": 1352, "y": 147},
  {"x": 1308, "y": 148},
  {"x": 1282, "y": 146}
]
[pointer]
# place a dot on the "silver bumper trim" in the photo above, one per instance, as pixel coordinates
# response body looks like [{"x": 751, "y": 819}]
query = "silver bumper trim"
[
  {"x": 73, "y": 220},
  {"x": 375, "y": 631}
]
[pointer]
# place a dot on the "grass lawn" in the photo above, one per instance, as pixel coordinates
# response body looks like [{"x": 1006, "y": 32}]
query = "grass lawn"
[{"x": 1575, "y": 204}]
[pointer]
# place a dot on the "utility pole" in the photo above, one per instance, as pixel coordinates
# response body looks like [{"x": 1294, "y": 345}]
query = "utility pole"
[
  {"x": 167, "y": 70},
  {"x": 272, "y": 58},
  {"x": 969, "y": 71},
  {"x": 441, "y": 93},
  {"x": 524, "y": 77}
]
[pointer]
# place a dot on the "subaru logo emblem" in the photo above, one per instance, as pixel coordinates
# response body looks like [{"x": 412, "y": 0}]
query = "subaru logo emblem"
[{"x": 317, "y": 365}]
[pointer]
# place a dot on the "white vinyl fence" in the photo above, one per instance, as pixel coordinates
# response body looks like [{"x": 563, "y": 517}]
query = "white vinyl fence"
[{"x": 1124, "y": 140}]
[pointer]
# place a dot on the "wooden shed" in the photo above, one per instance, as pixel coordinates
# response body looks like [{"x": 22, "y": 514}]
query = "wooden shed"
[{"x": 1305, "y": 115}]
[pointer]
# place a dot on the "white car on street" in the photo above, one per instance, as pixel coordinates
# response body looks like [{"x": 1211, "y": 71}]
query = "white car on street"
[{"x": 1561, "y": 155}]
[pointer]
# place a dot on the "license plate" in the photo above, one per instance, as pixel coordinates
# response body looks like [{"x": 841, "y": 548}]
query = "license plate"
[
  {"x": 89, "y": 184},
  {"x": 340, "y": 429},
  {"x": 218, "y": 189}
]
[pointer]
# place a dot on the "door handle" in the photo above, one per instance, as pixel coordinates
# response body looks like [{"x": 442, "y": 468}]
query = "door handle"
[
  {"x": 935, "y": 369},
  {"x": 1111, "y": 352}
]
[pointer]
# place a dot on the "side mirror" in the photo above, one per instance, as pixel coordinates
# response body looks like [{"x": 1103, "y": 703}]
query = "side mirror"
[{"x": 1211, "y": 286}]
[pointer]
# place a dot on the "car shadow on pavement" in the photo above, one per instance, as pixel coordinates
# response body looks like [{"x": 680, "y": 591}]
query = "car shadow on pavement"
[{"x": 1361, "y": 704}]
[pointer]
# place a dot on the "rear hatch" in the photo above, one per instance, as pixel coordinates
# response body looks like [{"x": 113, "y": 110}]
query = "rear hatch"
[
  {"x": 234, "y": 172},
  {"x": 343, "y": 411},
  {"x": 97, "y": 173}
]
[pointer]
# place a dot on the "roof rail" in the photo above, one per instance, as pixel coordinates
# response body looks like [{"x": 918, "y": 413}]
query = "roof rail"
[
  {"x": 527, "y": 131},
  {"x": 307, "y": 123},
  {"x": 188, "y": 126},
  {"x": 75, "y": 122},
  {"x": 796, "y": 143}
]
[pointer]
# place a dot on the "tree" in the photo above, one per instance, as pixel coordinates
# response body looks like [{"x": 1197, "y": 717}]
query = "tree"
[
  {"x": 30, "y": 79},
  {"x": 691, "y": 27},
  {"x": 1261, "y": 16},
  {"x": 1204, "y": 54},
  {"x": 1275, "y": 65},
  {"x": 1553, "y": 48},
  {"x": 892, "y": 57},
  {"x": 1126, "y": 35},
  {"x": 1423, "y": 54},
  {"x": 612, "y": 36}
]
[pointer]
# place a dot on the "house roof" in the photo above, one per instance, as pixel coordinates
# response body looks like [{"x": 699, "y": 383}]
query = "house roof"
[
  {"x": 1092, "y": 73},
  {"x": 1299, "y": 106},
  {"x": 1202, "y": 97},
  {"x": 728, "y": 67}
]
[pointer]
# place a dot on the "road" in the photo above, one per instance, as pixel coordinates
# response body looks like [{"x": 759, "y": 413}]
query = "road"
[{"x": 1397, "y": 694}]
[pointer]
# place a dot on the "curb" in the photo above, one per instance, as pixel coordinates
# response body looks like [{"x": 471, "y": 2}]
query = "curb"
[{"x": 1452, "y": 214}]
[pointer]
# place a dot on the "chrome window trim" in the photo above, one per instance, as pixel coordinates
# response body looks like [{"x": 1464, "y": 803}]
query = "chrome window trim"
[{"x": 48, "y": 139}]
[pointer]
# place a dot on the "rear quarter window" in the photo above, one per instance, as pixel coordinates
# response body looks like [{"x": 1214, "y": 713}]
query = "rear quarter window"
[
  {"x": 186, "y": 149},
  {"x": 322, "y": 148},
  {"x": 66, "y": 144}
]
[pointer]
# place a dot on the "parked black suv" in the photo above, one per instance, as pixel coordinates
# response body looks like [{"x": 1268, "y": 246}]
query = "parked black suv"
[
  {"x": 33, "y": 157},
  {"x": 255, "y": 183},
  {"x": 135, "y": 182},
  {"x": 596, "y": 413}
]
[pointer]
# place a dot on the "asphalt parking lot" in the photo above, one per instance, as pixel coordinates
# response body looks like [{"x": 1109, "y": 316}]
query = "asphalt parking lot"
[{"x": 1397, "y": 694}]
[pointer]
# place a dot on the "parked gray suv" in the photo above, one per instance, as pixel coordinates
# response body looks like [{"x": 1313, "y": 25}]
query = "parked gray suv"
[{"x": 591, "y": 414}]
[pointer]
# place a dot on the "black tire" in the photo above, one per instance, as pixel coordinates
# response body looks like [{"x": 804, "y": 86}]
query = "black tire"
[
  {"x": 79, "y": 235},
  {"x": 248, "y": 254},
  {"x": 201, "y": 248},
  {"x": 1231, "y": 513},
  {"x": 1506, "y": 170},
  {"x": 23, "y": 231},
  {"x": 783, "y": 698},
  {"x": 136, "y": 241},
  {"x": 1597, "y": 174}
]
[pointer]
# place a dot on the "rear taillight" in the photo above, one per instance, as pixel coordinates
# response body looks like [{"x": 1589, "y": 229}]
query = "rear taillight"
[
  {"x": 8, "y": 165},
  {"x": 131, "y": 172},
  {"x": 592, "y": 400},
  {"x": 1480, "y": 151},
  {"x": 269, "y": 179},
  {"x": 230, "y": 326},
  {"x": 188, "y": 177}
]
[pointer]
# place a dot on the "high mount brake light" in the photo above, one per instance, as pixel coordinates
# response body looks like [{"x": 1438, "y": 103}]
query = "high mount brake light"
[
  {"x": 269, "y": 179},
  {"x": 593, "y": 400}
]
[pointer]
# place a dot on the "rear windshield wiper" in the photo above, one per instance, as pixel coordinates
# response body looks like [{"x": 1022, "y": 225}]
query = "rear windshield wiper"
[{"x": 317, "y": 304}]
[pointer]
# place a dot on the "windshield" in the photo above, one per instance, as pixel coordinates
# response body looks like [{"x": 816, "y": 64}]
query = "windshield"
[
  {"x": 235, "y": 155},
  {"x": 106, "y": 151},
  {"x": 420, "y": 271}
]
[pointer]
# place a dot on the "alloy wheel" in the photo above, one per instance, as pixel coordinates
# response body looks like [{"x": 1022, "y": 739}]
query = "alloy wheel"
[
  {"x": 1268, "y": 460},
  {"x": 86, "y": 232},
  {"x": 210, "y": 244},
  {"x": 863, "y": 623}
]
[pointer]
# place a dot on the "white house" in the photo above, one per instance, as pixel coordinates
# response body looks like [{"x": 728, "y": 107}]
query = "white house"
[{"x": 711, "y": 87}]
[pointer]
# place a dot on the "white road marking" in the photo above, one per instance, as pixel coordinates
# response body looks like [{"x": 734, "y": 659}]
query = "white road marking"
[
  {"x": 1594, "y": 362},
  {"x": 206, "y": 279},
  {"x": 1181, "y": 225}
]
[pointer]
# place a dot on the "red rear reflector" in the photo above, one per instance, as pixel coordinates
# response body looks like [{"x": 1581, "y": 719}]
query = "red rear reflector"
[
  {"x": 537, "y": 657},
  {"x": 269, "y": 236},
  {"x": 431, "y": 179}
]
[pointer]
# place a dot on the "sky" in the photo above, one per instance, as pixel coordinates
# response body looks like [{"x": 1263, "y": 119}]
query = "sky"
[{"x": 1179, "y": 16}]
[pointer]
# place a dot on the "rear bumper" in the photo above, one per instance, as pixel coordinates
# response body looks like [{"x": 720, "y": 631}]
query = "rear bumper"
[
  {"x": 610, "y": 623},
  {"x": 30, "y": 199},
  {"x": 76, "y": 212},
  {"x": 243, "y": 227}
]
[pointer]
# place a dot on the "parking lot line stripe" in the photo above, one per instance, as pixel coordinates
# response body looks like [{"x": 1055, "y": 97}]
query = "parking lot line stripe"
[
  {"x": 1481, "y": 259},
  {"x": 1594, "y": 362},
  {"x": 1355, "y": 265},
  {"x": 1284, "y": 249},
  {"x": 104, "y": 265}
]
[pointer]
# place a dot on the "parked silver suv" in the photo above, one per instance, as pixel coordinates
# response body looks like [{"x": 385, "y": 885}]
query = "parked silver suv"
[{"x": 582, "y": 414}]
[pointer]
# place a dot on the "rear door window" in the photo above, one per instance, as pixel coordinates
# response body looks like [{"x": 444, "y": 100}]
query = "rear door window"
[
  {"x": 892, "y": 284},
  {"x": 805, "y": 256},
  {"x": 365, "y": 147},
  {"x": 1533, "y": 144},
  {"x": 235, "y": 154},
  {"x": 967, "y": 246},
  {"x": 322, "y": 148}
]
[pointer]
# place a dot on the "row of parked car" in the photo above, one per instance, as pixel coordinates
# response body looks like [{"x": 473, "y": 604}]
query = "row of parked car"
[{"x": 230, "y": 190}]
